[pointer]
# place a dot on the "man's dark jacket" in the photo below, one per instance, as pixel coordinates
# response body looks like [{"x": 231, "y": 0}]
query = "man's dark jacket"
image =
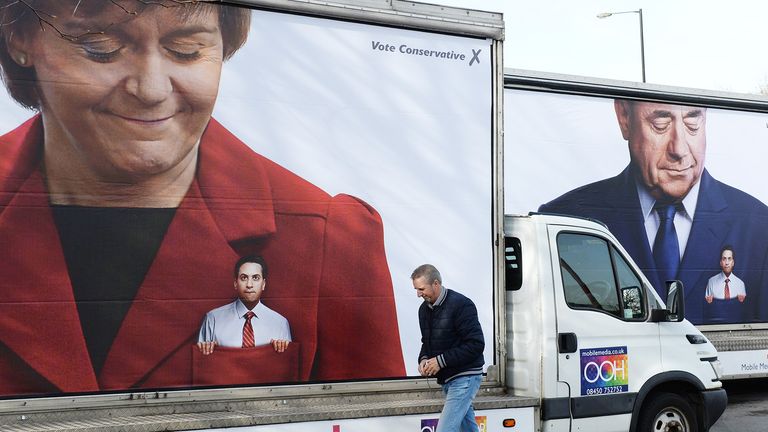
[{"x": 451, "y": 332}]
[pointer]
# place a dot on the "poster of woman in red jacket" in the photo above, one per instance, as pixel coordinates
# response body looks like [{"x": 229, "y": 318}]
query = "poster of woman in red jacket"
[{"x": 124, "y": 202}]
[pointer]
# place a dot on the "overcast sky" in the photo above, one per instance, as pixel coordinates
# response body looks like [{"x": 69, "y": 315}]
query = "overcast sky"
[{"x": 715, "y": 45}]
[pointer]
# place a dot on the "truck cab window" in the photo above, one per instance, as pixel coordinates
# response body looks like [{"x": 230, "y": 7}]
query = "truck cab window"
[
  {"x": 513, "y": 267},
  {"x": 588, "y": 276}
]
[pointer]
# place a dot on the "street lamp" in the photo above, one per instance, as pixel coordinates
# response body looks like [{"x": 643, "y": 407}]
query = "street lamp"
[{"x": 642, "y": 41}]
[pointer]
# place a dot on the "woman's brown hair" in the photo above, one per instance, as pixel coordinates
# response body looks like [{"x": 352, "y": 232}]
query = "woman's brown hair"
[{"x": 18, "y": 17}]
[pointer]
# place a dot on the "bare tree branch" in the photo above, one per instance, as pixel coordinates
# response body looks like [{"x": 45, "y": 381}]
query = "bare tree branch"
[{"x": 45, "y": 18}]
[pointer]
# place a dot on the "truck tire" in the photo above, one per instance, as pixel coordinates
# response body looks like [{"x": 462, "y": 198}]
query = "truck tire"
[{"x": 667, "y": 412}]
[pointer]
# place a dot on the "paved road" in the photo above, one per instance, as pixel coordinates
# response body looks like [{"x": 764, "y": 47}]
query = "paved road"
[{"x": 747, "y": 407}]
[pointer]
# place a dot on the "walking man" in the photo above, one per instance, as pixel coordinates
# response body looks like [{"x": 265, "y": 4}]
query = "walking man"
[{"x": 452, "y": 346}]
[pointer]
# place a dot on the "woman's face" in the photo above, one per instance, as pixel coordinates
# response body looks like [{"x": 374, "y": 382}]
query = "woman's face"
[{"x": 133, "y": 100}]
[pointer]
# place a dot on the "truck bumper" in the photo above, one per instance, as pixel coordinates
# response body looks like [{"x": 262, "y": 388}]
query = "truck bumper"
[{"x": 714, "y": 405}]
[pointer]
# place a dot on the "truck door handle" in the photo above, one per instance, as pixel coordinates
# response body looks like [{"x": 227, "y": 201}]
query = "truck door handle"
[{"x": 567, "y": 343}]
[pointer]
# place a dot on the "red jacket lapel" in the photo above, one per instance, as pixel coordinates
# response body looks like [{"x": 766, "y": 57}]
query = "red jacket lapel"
[
  {"x": 190, "y": 275},
  {"x": 38, "y": 316}
]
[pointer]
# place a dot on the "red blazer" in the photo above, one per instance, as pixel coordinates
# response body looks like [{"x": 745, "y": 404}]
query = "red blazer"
[{"x": 328, "y": 276}]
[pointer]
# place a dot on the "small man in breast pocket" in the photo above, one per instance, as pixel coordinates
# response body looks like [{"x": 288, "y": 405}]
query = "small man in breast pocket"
[
  {"x": 726, "y": 285},
  {"x": 246, "y": 322}
]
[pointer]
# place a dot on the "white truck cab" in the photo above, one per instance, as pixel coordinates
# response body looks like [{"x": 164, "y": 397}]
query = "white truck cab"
[{"x": 589, "y": 336}]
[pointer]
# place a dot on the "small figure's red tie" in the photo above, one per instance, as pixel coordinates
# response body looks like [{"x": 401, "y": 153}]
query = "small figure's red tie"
[
  {"x": 248, "y": 341},
  {"x": 727, "y": 293}
]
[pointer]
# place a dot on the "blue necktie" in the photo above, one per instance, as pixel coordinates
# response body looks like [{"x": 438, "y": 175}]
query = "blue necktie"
[{"x": 666, "y": 251}]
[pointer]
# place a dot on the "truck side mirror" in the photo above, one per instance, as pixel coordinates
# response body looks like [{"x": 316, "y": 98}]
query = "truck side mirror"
[
  {"x": 675, "y": 301},
  {"x": 675, "y": 311}
]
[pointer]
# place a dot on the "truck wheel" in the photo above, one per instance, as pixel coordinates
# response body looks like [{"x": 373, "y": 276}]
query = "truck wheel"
[{"x": 668, "y": 412}]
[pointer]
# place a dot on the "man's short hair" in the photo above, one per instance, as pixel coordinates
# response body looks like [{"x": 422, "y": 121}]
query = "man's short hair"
[
  {"x": 429, "y": 272},
  {"x": 730, "y": 248},
  {"x": 256, "y": 259}
]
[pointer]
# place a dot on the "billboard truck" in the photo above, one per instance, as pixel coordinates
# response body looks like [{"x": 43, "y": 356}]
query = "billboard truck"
[
  {"x": 649, "y": 160},
  {"x": 210, "y": 212}
]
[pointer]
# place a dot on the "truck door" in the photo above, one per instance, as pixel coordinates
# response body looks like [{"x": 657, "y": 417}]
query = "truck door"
[{"x": 606, "y": 347}]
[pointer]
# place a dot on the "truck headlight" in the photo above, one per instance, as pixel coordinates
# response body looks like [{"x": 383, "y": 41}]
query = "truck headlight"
[{"x": 696, "y": 339}]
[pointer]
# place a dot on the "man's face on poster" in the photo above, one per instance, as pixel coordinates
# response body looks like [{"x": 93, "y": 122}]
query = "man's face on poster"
[
  {"x": 249, "y": 284},
  {"x": 726, "y": 261},
  {"x": 133, "y": 98},
  {"x": 667, "y": 145}
]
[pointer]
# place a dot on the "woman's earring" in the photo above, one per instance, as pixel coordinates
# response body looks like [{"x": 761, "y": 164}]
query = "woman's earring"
[{"x": 21, "y": 59}]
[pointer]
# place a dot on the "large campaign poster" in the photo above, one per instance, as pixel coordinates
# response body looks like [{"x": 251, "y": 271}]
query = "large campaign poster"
[
  {"x": 680, "y": 186},
  {"x": 147, "y": 147}
]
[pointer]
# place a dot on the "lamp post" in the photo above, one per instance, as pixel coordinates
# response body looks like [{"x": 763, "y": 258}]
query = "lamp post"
[{"x": 642, "y": 41}]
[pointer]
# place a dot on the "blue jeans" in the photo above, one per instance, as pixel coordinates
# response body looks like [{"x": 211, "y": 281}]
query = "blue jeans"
[{"x": 458, "y": 415}]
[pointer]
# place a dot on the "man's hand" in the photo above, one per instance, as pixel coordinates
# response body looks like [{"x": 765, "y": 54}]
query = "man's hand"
[
  {"x": 741, "y": 297},
  {"x": 280, "y": 345},
  {"x": 709, "y": 298},
  {"x": 206, "y": 347},
  {"x": 429, "y": 367},
  {"x": 422, "y": 364}
]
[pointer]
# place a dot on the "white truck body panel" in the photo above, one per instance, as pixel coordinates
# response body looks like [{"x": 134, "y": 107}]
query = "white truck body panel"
[
  {"x": 487, "y": 420},
  {"x": 617, "y": 356},
  {"x": 744, "y": 364}
]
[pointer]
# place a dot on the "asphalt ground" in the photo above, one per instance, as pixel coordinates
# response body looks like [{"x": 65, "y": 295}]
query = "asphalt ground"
[{"x": 747, "y": 409}]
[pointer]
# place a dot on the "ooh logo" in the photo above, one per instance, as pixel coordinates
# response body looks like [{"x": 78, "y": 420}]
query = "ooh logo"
[
  {"x": 482, "y": 423},
  {"x": 604, "y": 370},
  {"x": 430, "y": 425}
]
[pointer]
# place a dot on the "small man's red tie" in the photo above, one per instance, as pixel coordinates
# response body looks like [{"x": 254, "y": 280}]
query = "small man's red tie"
[
  {"x": 727, "y": 293},
  {"x": 248, "y": 340}
]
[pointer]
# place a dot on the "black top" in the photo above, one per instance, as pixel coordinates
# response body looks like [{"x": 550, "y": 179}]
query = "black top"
[
  {"x": 108, "y": 253},
  {"x": 451, "y": 332}
]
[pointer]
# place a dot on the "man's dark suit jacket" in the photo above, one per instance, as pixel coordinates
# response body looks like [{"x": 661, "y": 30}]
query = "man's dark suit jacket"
[{"x": 724, "y": 216}]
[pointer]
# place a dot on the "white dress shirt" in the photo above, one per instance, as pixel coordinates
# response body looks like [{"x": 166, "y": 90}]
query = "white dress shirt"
[
  {"x": 683, "y": 217},
  {"x": 716, "y": 286},
  {"x": 225, "y": 325}
]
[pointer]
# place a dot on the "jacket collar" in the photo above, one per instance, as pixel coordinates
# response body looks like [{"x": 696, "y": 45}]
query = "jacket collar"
[
  {"x": 234, "y": 183},
  {"x": 440, "y": 298}
]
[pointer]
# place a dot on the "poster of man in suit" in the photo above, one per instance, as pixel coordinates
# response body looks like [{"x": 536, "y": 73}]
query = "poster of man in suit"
[{"x": 656, "y": 192}]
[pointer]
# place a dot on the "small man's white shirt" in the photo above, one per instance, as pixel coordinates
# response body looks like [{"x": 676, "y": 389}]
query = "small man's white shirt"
[
  {"x": 716, "y": 286},
  {"x": 224, "y": 325}
]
